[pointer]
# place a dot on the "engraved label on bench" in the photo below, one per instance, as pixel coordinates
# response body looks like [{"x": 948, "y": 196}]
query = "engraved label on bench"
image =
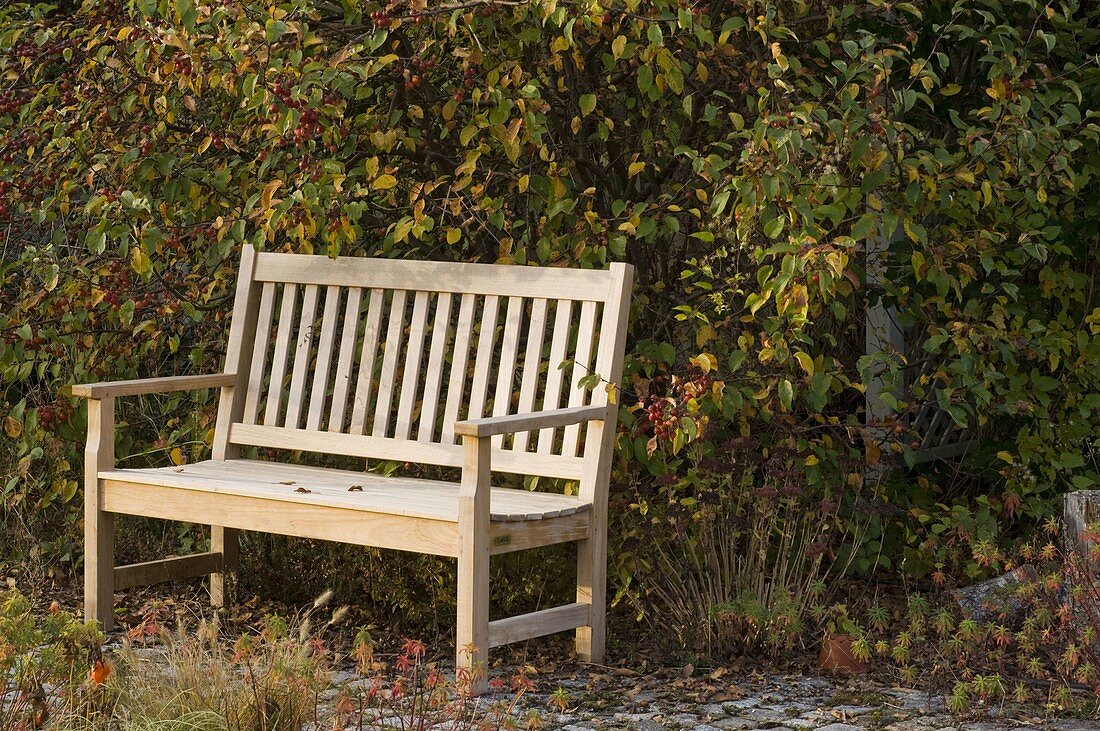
[{"x": 502, "y": 540}]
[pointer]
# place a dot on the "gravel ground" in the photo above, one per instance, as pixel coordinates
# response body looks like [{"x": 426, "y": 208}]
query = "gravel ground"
[{"x": 599, "y": 702}]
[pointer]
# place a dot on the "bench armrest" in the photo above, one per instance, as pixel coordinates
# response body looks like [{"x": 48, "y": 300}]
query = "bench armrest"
[
  {"x": 167, "y": 384},
  {"x": 494, "y": 425}
]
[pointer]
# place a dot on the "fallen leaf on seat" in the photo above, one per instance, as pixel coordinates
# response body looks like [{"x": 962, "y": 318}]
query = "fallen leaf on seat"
[
  {"x": 355, "y": 488},
  {"x": 287, "y": 482},
  {"x": 302, "y": 489}
]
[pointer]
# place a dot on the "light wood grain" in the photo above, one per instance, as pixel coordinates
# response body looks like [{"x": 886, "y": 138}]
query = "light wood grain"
[
  {"x": 599, "y": 451},
  {"x": 483, "y": 360},
  {"x": 341, "y": 385},
  {"x": 433, "y": 376},
  {"x": 508, "y": 536},
  {"x": 261, "y": 346},
  {"x": 365, "y": 381},
  {"x": 167, "y": 569},
  {"x": 271, "y": 516},
  {"x": 582, "y": 362},
  {"x": 283, "y": 337},
  {"x": 563, "y": 317},
  {"x": 388, "y": 448},
  {"x": 388, "y": 375},
  {"x": 506, "y": 373},
  {"x": 225, "y": 543},
  {"x": 529, "y": 384},
  {"x": 459, "y": 359},
  {"x": 143, "y": 386},
  {"x": 493, "y": 425},
  {"x": 302, "y": 355},
  {"x": 478, "y": 279},
  {"x": 99, "y": 525},
  {"x": 238, "y": 359},
  {"x": 296, "y": 485},
  {"x": 326, "y": 342},
  {"x": 472, "y": 633},
  {"x": 537, "y": 624},
  {"x": 410, "y": 378}
]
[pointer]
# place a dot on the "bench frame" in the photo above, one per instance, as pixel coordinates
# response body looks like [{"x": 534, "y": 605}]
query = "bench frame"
[{"x": 473, "y": 540}]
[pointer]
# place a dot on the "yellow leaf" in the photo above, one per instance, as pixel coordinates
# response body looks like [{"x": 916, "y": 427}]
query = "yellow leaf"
[
  {"x": 1005, "y": 456},
  {"x": 268, "y": 194},
  {"x": 812, "y": 460},
  {"x": 618, "y": 46},
  {"x": 524, "y": 181},
  {"x": 139, "y": 260},
  {"x": 635, "y": 168},
  {"x": 384, "y": 182},
  {"x": 402, "y": 229},
  {"x": 12, "y": 427},
  {"x": 453, "y": 235},
  {"x": 806, "y": 362},
  {"x": 176, "y": 456}
]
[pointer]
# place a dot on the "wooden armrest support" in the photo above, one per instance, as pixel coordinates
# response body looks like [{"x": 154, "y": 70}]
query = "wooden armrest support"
[
  {"x": 167, "y": 384},
  {"x": 493, "y": 425}
]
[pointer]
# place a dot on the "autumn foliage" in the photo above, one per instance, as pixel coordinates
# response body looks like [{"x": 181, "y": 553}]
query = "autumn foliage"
[{"x": 744, "y": 155}]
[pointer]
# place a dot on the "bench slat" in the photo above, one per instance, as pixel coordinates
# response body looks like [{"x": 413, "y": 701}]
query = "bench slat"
[
  {"x": 388, "y": 374},
  {"x": 302, "y": 349},
  {"x": 563, "y": 318},
  {"x": 325, "y": 344},
  {"x": 458, "y": 368},
  {"x": 260, "y": 348},
  {"x": 431, "y": 276},
  {"x": 356, "y": 527},
  {"x": 366, "y": 363},
  {"x": 483, "y": 361},
  {"x": 536, "y": 335},
  {"x": 582, "y": 361},
  {"x": 411, "y": 377},
  {"x": 506, "y": 374},
  {"x": 433, "y": 376},
  {"x": 386, "y": 448},
  {"x": 342, "y": 378},
  {"x": 536, "y": 624},
  {"x": 282, "y": 346}
]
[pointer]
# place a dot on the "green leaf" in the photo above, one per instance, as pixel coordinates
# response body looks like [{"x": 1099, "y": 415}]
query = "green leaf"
[
  {"x": 786, "y": 394},
  {"x": 188, "y": 13},
  {"x": 774, "y": 227},
  {"x": 862, "y": 228},
  {"x": 588, "y": 103},
  {"x": 275, "y": 30}
]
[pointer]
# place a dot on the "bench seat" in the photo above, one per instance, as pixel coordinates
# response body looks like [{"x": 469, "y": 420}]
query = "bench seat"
[{"x": 365, "y": 491}]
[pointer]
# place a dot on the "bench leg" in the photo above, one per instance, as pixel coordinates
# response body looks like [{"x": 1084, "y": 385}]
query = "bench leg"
[
  {"x": 225, "y": 542},
  {"x": 472, "y": 636},
  {"x": 99, "y": 525},
  {"x": 99, "y": 566},
  {"x": 592, "y": 590}
]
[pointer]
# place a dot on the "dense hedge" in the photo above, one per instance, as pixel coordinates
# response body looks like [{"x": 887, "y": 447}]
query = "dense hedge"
[{"x": 744, "y": 155}]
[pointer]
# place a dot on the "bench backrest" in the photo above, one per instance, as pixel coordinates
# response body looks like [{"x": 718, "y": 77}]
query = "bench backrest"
[{"x": 378, "y": 358}]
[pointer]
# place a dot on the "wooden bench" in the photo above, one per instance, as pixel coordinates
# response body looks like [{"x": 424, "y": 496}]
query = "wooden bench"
[{"x": 393, "y": 361}]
